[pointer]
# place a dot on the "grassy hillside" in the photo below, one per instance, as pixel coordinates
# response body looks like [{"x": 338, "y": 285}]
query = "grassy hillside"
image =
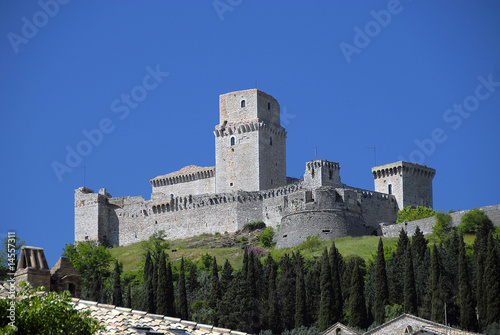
[{"x": 229, "y": 246}]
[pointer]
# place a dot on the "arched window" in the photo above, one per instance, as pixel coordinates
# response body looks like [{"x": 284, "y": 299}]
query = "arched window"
[
  {"x": 232, "y": 140},
  {"x": 242, "y": 103}
]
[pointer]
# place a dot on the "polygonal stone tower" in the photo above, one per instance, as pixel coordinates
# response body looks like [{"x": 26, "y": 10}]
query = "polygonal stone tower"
[
  {"x": 410, "y": 183},
  {"x": 322, "y": 173},
  {"x": 250, "y": 144}
]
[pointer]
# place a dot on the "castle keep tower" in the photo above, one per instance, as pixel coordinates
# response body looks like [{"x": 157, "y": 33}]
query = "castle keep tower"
[
  {"x": 250, "y": 144},
  {"x": 410, "y": 183}
]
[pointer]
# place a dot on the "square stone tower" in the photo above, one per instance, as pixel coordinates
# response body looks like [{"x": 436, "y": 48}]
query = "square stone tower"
[
  {"x": 410, "y": 183},
  {"x": 250, "y": 144}
]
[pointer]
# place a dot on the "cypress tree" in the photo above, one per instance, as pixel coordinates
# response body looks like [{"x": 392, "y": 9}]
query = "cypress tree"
[
  {"x": 129, "y": 297},
  {"x": 381, "y": 289},
  {"x": 468, "y": 319},
  {"x": 397, "y": 274},
  {"x": 437, "y": 304},
  {"x": 215, "y": 292},
  {"x": 183, "y": 307},
  {"x": 259, "y": 279},
  {"x": 154, "y": 281},
  {"x": 149, "y": 299},
  {"x": 273, "y": 320},
  {"x": 337, "y": 265},
  {"x": 357, "y": 304},
  {"x": 161, "y": 292},
  {"x": 326, "y": 303},
  {"x": 313, "y": 292},
  {"x": 170, "y": 291},
  {"x": 410, "y": 294},
  {"x": 419, "y": 243},
  {"x": 286, "y": 293},
  {"x": 300, "y": 294},
  {"x": 192, "y": 278},
  {"x": 250, "y": 277},
  {"x": 117, "y": 287},
  {"x": 480, "y": 254},
  {"x": 492, "y": 282},
  {"x": 227, "y": 276}
]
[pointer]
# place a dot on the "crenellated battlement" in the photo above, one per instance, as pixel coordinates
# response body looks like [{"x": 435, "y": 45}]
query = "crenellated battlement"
[
  {"x": 400, "y": 168},
  {"x": 187, "y": 174},
  {"x": 323, "y": 163},
  {"x": 246, "y": 127}
]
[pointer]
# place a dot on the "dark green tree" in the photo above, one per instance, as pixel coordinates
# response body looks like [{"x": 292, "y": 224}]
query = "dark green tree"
[
  {"x": 419, "y": 243},
  {"x": 436, "y": 291},
  {"x": 337, "y": 267},
  {"x": 117, "y": 286},
  {"x": 11, "y": 246},
  {"x": 468, "y": 318},
  {"x": 286, "y": 293},
  {"x": 192, "y": 276},
  {"x": 410, "y": 294},
  {"x": 154, "y": 281},
  {"x": 484, "y": 229},
  {"x": 492, "y": 282},
  {"x": 129, "y": 297},
  {"x": 398, "y": 268},
  {"x": 326, "y": 303},
  {"x": 170, "y": 296},
  {"x": 357, "y": 304},
  {"x": 161, "y": 292},
  {"x": 183, "y": 305},
  {"x": 380, "y": 286},
  {"x": 149, "y": 299},
  {"x": 273, "y": 319},
  {"x": 227, "y": 276},
  {"x": 300, "y": 293},
  {"x": 215, "y": 292},
  {"x": 313, "y": 290}
]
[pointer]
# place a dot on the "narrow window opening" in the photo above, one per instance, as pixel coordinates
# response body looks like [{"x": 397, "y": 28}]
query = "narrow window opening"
[
  {"x": 230, "y": 184},
  {"x": 312, "y": 173},
  {"x": 390, "y": 189},
  {"x": 330, "y": 174},
  {"x": 269, "y": 105},
  {"x": 271, "y": 181},
  {"x": 270, "y": 141},
  {"x": 326, "y": 231},
  {"x": 233, "y": 141},
  {"x": 242, "y": 103}
]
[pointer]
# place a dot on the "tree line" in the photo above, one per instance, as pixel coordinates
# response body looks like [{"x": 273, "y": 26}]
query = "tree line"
[{"x": 450, "y": 282}]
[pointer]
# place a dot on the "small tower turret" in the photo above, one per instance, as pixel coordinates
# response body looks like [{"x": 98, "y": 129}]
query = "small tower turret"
[
  {"x": 322, "y": 173},
  {"x": 410, "y": 183}
]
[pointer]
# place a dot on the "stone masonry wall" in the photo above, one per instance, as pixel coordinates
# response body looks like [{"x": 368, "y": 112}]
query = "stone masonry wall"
[{"x": 426, "y": 225}]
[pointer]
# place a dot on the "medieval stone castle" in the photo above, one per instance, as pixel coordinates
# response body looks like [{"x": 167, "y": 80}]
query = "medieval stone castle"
[{"x": 247, "y": 184}]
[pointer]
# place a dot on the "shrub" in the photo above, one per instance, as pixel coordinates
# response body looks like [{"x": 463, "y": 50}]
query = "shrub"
[
  {"x": 409, "y": 213},
  {"x": 254, "y": 226},
  {"x": 45, "y": 314},
  {"x": 259, "y": 252},
  {"x": 392, "y": 312},
  {"x": 266, "y": 237},
  {"x": 311, "y": 242},
  {"x": 472, "y": 220},
  {"x": 442, "y": 226}
]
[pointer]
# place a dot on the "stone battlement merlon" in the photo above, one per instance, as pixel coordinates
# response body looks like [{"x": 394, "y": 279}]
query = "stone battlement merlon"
[
  {"x": 177, "y": 177},
  {"x": 246, "y": 127},
  {"x": 400, "y": 168},
  {"x": 322, "y": 163}
]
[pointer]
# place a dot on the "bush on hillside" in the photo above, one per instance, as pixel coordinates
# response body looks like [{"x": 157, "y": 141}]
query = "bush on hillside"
[
  {"x": 254, "y": 226},
  {"x": 410, "y": 213},
  {"x": 266, "y": 237},
  {"x": 443, "y": 225},
  {"x": 472, "y": 220}
]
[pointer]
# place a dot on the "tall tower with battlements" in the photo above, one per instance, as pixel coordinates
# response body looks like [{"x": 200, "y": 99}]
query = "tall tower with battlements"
[
  {"x": 250, "y": 144},
  {"x": 410, "y": 183}
]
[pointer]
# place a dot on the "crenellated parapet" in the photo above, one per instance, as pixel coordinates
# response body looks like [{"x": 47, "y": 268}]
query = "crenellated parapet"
[
  {"x": 222, "y": 130},
  {"x": 400, "y": 168},
  {"x": 322, "y": 163},
  {"x": 322, "y": 173},
  {"x": 187, "y": 174}
]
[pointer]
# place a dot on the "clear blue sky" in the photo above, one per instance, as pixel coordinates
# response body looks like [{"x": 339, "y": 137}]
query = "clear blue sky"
[{"x": 348, "y": 75}]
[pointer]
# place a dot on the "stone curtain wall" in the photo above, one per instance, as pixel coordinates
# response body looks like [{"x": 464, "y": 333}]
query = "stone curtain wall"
[{"x": 427, "y": 224}]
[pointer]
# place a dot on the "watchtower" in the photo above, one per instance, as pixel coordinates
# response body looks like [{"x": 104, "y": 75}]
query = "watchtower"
[
  {"x": 250, "y": 144},
  {"x": 322, "y": 173},
  {"x": 410, "y": 183}
]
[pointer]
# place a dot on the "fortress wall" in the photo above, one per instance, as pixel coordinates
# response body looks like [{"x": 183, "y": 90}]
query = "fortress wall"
[
  {"x": 377, "y": 207},
  {"x": 426, "y": 225},
  {"x": 198, "y": 186},
  {"x": 328, "y": 224}
]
